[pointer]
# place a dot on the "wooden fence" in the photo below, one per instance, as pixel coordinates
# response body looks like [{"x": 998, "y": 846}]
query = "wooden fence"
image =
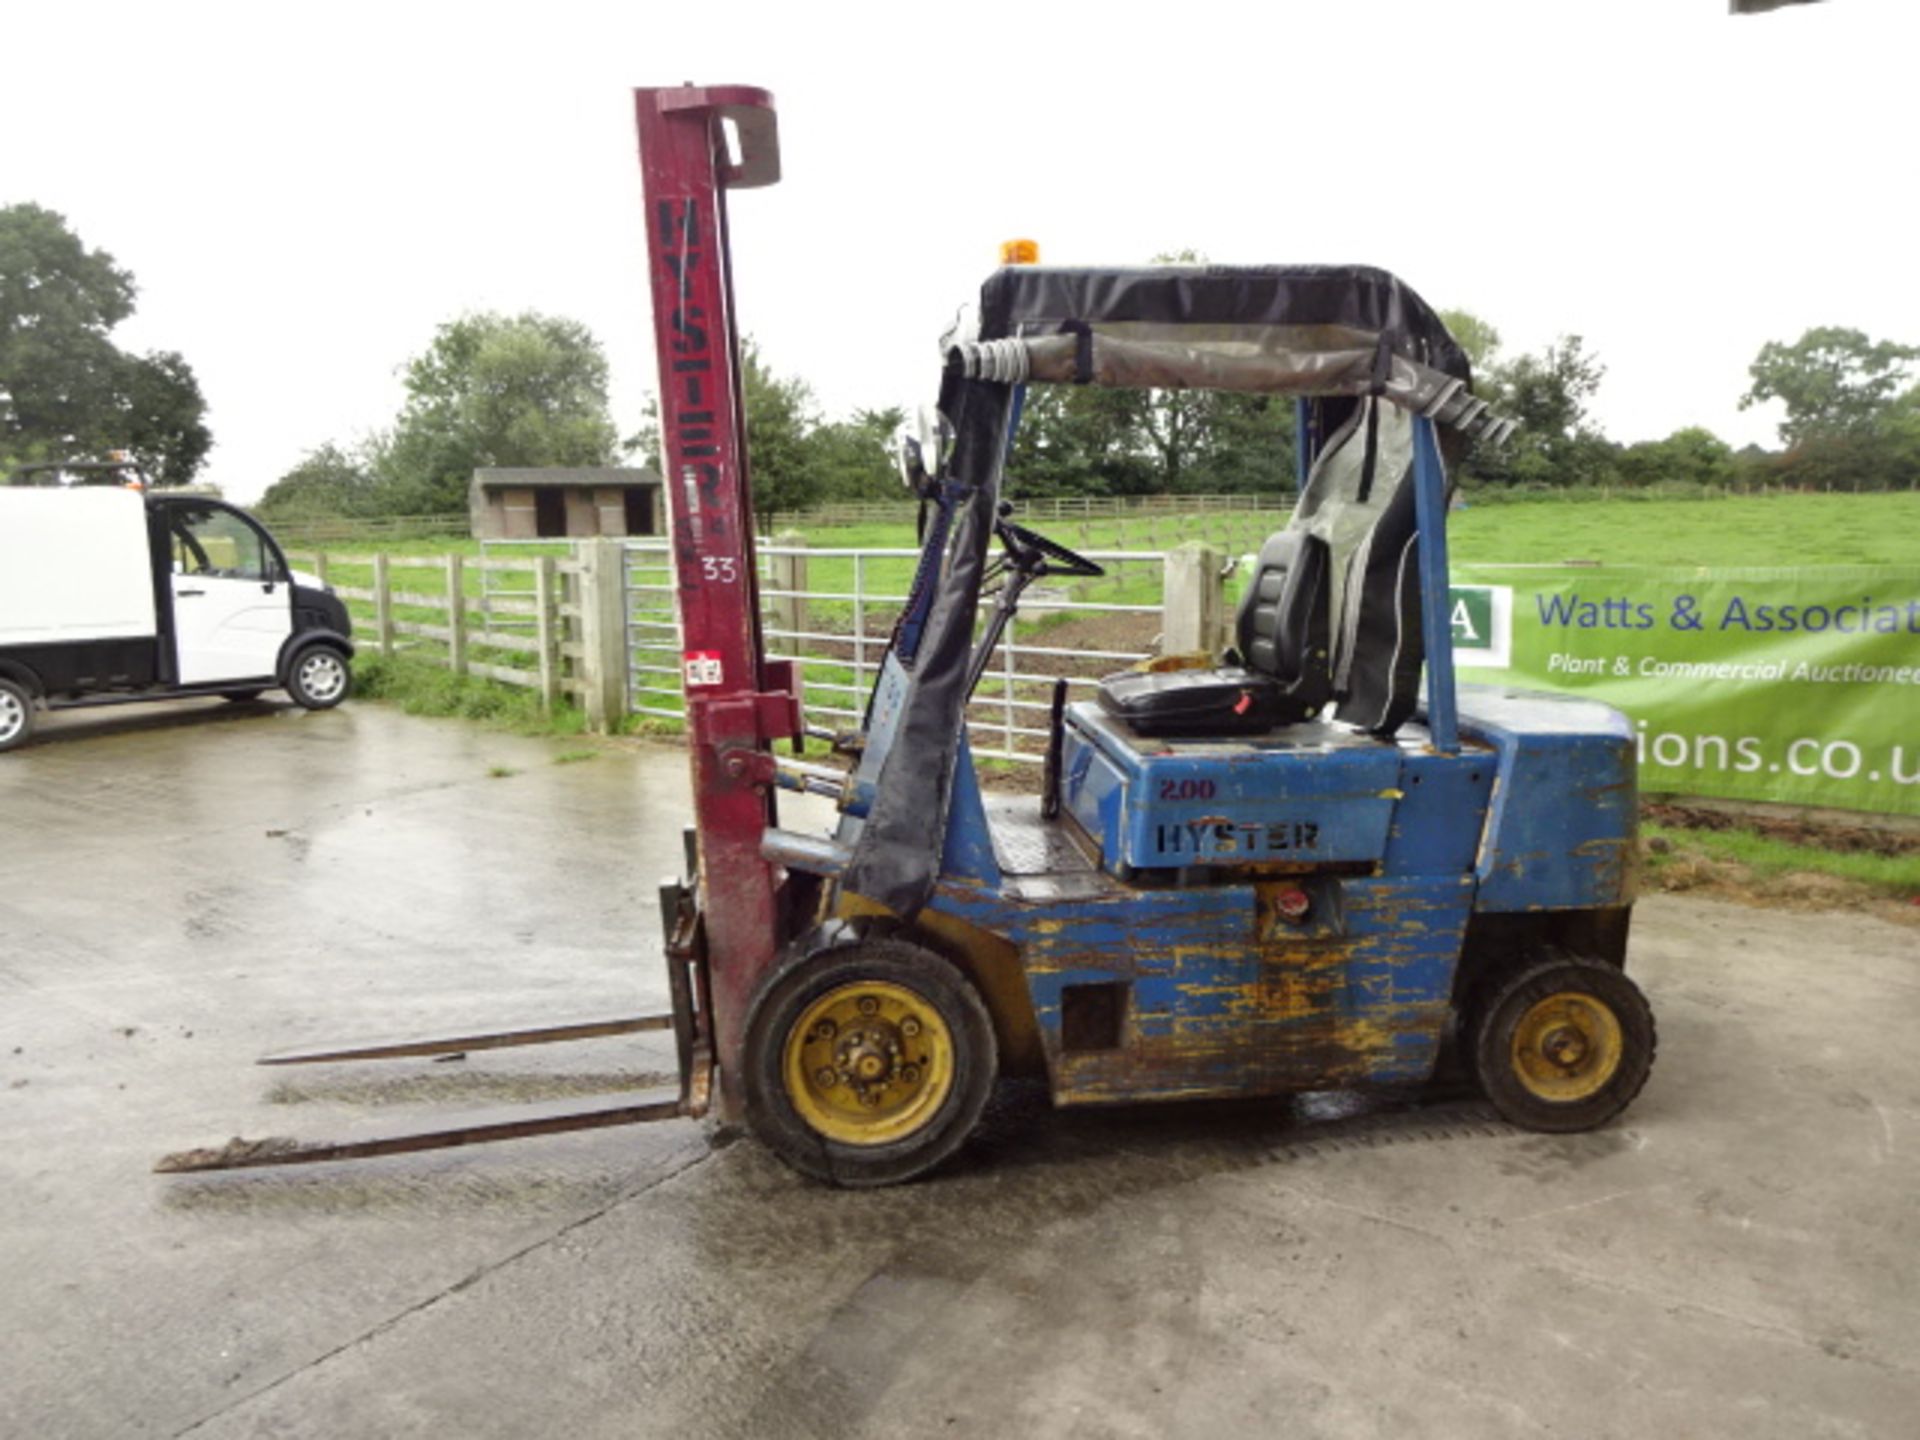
[{"x": 548, "y": 623}]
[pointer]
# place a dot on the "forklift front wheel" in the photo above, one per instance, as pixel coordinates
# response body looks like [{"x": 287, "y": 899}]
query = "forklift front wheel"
[
  {"x": 867, "y": 1064},
  {"x": 16, "y": 714},
  {"x": 1565, "y": 1045}
]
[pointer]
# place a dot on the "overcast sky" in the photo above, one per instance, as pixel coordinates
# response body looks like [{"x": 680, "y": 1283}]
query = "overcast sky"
[{"x": 305, "y": 192}]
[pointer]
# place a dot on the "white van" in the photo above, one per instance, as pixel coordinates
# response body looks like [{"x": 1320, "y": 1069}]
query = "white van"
[{"x": 111, "y": 594}]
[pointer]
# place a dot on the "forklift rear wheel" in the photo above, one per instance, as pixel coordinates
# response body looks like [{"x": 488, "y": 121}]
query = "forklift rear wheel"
[
  {"x": 867, "y": 1064},
  {"x": 319, "y": 678},
  {"x": 16, "y": 714},
  {"x": 1564, "y": 1045}
]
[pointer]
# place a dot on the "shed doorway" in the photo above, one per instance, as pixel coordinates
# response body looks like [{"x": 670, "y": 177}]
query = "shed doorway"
[
  {"x": 639, "y": 504},
  {"x": 549, "y": 514}
]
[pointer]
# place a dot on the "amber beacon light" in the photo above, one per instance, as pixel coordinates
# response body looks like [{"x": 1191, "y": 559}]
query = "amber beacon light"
[{"x": 1019, "y": 252}]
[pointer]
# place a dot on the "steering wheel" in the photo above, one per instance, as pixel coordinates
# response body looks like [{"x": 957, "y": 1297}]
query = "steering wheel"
[{"x": 1034, "y": 555}]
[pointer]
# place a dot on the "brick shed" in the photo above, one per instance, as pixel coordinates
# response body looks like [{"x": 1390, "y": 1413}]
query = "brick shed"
[{"x": 529, "y": 504}]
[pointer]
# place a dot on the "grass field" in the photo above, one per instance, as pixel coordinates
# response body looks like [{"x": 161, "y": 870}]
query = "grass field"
[{"x": 1871, "y": 529}]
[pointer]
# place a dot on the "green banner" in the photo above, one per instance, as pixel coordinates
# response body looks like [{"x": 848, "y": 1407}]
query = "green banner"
[{"x": 1799, "y": 686}]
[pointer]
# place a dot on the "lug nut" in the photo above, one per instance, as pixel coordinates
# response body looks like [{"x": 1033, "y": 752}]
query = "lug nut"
[
  {"x": 868, "y": 1005},
  {"x": 826, "y": 1077},
  {"x": 910, "y": 1027}
]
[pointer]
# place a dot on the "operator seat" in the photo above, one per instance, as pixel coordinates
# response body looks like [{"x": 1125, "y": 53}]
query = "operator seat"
[
  {"x": 1282, "y": 633},
  {"x": 1332, "y": 609}
]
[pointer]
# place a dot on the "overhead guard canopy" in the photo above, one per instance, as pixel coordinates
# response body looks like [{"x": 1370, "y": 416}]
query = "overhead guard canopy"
[{"x": 1299, "y": 330}]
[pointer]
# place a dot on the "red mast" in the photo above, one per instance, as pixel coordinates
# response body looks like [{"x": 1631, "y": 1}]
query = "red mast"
[{"x": 738, "y": 702}]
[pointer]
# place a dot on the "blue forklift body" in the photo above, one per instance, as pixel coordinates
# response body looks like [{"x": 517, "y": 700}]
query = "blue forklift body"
[
  {"x": 1307, "y": 907},
  {"x": 1285, "y": 912}
]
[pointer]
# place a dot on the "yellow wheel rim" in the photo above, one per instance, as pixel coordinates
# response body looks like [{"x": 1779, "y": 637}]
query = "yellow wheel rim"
[
  {"x": 1567, "y": 1046},
  {"x": 868, "y": 1063}
]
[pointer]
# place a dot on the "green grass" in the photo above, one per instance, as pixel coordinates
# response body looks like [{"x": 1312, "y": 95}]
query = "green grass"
[
  {"x": 1729, "y": 531},
  {"x": 419, "y": 687},
  {"x": 1768, "y": 858},
  {"x": 1751, "y": 530}
]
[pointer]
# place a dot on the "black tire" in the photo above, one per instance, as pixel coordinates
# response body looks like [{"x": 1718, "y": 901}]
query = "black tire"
[
  {"x": 242, "y": 697},
  {"x": 835, "y": 977},
  {"x": 319, "y": 677},
  {"x": 1564, "y": 1045},
  {"x": 17, "y": 714}
]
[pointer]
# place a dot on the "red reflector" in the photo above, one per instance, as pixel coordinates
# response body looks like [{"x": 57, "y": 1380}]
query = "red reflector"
[
  {"x": 1294, "y": 904},
  {"x": 1244, "y": 703}
]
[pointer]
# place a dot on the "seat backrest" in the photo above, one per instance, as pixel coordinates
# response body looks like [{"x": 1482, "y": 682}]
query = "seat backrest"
[
  {"x": 1277, "y": 612},
  {"x": 1359, "y": 500},
  {"x": 1332, "y": 609}
]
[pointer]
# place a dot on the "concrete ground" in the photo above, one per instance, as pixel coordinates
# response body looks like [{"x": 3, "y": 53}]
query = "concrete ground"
[{"x": 182, "y": 888}]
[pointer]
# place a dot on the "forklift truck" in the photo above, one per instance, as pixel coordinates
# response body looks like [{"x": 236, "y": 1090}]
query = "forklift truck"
[{"x": 1311, "y": 863}]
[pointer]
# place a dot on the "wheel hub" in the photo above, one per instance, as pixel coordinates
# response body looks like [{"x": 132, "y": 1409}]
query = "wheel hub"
[
  {"x": 1567, "y": 1046},
  {"x": 323, "y": 676},
  {"x": 868, "y": 1062}
]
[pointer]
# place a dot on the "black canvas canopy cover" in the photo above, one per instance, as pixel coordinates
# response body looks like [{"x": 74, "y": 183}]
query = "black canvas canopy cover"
[{"x": 1306, "y": 330}]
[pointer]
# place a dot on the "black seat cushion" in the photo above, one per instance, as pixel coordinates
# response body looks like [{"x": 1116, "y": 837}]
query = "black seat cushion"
[
  {"x": 1283, "y": 635},
  {"x": 1197, "y": 703}
]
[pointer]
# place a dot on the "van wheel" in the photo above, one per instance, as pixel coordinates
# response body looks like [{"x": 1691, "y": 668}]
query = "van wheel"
[
  {"x": 319, "y": 678},
  {"x": 16, "y": 714},
  {"x": 867, "y": 1064}
]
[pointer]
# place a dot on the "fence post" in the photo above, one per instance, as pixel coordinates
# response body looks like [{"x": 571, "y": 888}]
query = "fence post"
[
  {"x": 456, "y": 617},
  {"x": 1193, "y": 601},
  {"x": 603, "y": 633},
  {"x": 543, "y": 618},
  {"x": 382, "y": 604},
  {"x": 788, "y": 572},
  {"x": 320, "y": 566}
]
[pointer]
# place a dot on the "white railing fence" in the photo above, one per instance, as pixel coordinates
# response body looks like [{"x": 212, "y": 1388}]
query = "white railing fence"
[{"x": 832, "y": 611}]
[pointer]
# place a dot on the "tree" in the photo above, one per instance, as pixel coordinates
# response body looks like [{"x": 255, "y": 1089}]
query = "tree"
[
  {"x": 1475, "y": 336},
  {"x": 1079, "y": 440},
  {"x": 1547, "y": 394},
  {"x": 160, "y": 416},
  {"x": 68, "y": 390},
  {"x": 1834, "y": 382},
  {"x": 327, "y": 481},
  {"x": 497, "y": 390},
  {"x": 1693, "y": 456},
  {"x": 780, "y": 419},
  {"x": 798, "y": 460},
  {"x": 850, "y": 457}
]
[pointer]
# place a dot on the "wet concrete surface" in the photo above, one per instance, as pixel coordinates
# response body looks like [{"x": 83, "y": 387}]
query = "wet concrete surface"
[{"x": 182, "y": 889}]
